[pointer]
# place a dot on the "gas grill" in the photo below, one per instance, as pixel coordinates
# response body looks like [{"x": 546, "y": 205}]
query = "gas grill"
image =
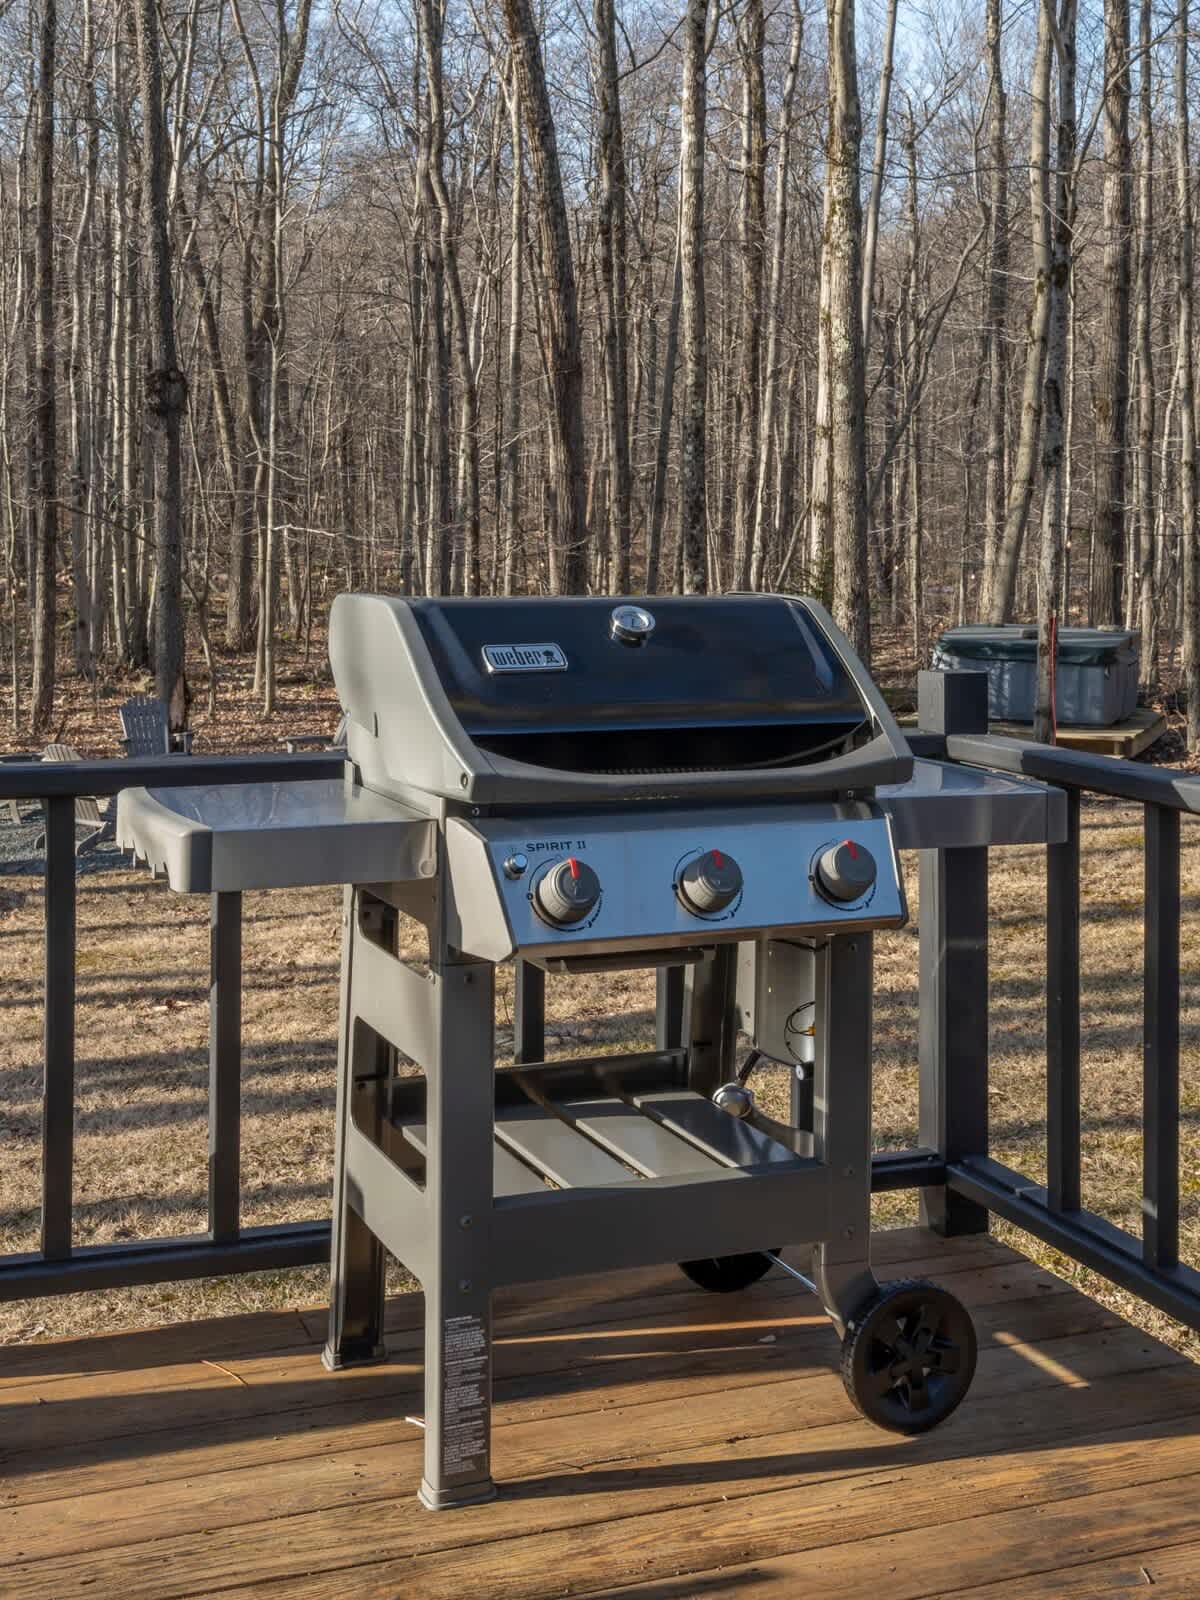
[
  {"x": 681, "y": 782},
  {"x": 710, "y": 786}
]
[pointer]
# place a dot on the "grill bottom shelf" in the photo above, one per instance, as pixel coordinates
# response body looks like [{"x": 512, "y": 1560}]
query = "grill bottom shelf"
[{"x": 589, "y": 1141}]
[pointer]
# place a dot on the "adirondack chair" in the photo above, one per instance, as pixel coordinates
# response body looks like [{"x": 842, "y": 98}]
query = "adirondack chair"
[
  {"x": 96, "y": 824},
  {"x": 316, "y": 741},
  {"x": 146, "y": 731},
  {"x": 10, "y": 810}
]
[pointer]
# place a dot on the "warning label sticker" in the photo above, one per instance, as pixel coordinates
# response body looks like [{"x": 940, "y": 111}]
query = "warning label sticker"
[{"x": 465, "y": 1397}]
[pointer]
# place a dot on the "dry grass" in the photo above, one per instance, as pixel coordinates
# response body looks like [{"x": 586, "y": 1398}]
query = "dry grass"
[{"x": 142, "y": 1067}]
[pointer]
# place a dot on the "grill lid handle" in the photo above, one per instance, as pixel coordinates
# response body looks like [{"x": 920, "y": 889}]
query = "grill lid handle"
[{"x": 632, "y": 625}]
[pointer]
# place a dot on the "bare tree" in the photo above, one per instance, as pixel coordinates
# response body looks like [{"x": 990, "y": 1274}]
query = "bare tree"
[
  {"x": 693, "y": 536},
  {"x": 1112, "y": 376},
  {"x": 996, "y": 294},
  {"x": 1054, "y": 409},
  {"x": 1186, "y": 392},
  {"x": 871, "y": 241},
  {"x": 613, "y": 276},
  {"x": 1146, "y": 610},
  {"x": 565, "y": 362},
  {"x": 847, "y": 386},
  {"x": 166, "y": 386},
  {"x": 45, "y": 446},
  {"x": 1000, "y": 578}
]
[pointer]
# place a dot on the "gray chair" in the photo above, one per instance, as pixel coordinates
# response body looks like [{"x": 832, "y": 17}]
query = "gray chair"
[
  {"x": 316, "y": 741},
  {"x": 147, "y": 732},
  {"x": 10, "y": 810},
  {"x": 96, "y": 824}
]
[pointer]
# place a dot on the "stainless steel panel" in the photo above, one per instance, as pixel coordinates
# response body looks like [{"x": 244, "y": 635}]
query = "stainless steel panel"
[
  {"x": 220, "y": 837},
  {"x": 638, "y": 857},
  {"x": 943, "y": 806}
]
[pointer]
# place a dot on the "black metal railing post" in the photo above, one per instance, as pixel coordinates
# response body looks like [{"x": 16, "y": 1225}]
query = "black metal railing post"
[
  {"x": 58, "y": 1082},
  {"x": 225, "y": 1067},
  {"x": 1062, "y": 1016},
  {"x": 953, "y": 1012},
  {"x": 668, "y": 1007},
  {"x": 529, "y": 1013},
  {"x": 1160, "y": 1084}
]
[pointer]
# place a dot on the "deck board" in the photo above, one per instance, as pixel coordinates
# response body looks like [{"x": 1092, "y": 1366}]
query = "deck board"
[{"x": 650, "y": 1441}]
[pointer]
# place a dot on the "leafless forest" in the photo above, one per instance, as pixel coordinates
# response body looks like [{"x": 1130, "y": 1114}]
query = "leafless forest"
[{"x": 467, "y": 296}]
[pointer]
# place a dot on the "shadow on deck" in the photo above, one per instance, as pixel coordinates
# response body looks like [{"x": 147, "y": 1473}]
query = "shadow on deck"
[{"x": 650, "y": 1441}]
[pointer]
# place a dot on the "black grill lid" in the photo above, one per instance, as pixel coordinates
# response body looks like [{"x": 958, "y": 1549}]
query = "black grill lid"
[
  {"x": 719, "y": 661},
  {"x": 541, "y": 701}
]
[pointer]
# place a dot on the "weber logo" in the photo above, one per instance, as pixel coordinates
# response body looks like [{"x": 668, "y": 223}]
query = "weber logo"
[{"x": 524, "y": 658}]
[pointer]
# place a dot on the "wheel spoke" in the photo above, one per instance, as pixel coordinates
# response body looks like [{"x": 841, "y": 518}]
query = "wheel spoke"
[
  {"x": 878, "y": 1382},
  {"x": 945, "y": 1358},
  {"x": 890, "y": 1332},
  {"x": 918, "y": 1394}
]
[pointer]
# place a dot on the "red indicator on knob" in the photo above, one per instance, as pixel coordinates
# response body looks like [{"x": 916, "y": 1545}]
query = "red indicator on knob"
[
  {"x": 853, "y": 849},
  {"x": 717, "y": 861},
  {"x": 574, "y": 866}
]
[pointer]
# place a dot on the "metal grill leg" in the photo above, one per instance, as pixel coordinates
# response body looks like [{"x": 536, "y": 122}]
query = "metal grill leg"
[
  {"x": 710, "y": 988},
  {"x": 460, "y": 1112},
  {"x": 357, "y": 1272},
  {"x": 842, "y": 1122}
]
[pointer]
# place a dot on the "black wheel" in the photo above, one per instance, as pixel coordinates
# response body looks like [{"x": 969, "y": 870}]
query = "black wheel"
[
  {"x": 727, "y": 1274},
  {"x": 909, "y": 1356}
]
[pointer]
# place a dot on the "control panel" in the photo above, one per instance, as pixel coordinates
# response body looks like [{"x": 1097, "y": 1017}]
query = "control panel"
[{"x": 676, "y": 878}]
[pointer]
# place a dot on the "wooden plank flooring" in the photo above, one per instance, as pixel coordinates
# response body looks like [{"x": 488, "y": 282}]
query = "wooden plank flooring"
[{"x": 650, "y": 1441}]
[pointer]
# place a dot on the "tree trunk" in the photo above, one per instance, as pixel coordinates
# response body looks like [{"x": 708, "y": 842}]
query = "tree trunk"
[
  {"x": 1053, "y": 404},
  {"x": 693, "y": 534},
  {"x": 1187, "y": 392},
  {"x": 512, "y": 390},
  {"x": 432, "y": 20},
  {"x": 871, "y": 245},
  {"x": 996, "y": 291},
  {"x": 658, "y": 496},
  {"x": 752, "y": 230},
  {"x": 775, "y": 305},
  {"x": 1112, "y": 376},
  {"x": 1002, "y": 575},
  {"x": 847, "y": 388},
  {"x": 45, "y": 611},
  {"x": 166, "y": 387},
  {"x": 613, "y": 260},
  {"x": 562, "y": 311},
  {"x": 1144, "y": 348}
]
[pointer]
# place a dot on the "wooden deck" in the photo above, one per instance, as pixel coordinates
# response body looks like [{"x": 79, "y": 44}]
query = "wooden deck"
[{"x": 651, "y": 1441}]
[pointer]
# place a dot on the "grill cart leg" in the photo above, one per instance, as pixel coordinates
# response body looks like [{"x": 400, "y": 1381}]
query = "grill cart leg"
[
  {"x": 908, "y": 1348},
  {"x": 842, "y": 1122},
  {"x": 460, "y": 1111},
  {"x": 355, "y": 1336}
]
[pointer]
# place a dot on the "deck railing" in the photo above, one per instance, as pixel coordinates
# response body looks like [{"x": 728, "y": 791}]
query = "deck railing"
[
  {"x": 960, "y": 1184},
  {"x": 60, "y": 1266}
]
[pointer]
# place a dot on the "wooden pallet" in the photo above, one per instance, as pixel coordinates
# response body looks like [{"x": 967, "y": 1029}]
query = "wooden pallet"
[
  {"x": 1128, "y": 738},
  {"x": 650, "y": 1441}
]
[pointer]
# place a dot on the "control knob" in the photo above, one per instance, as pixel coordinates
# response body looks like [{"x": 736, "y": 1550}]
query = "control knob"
[
  {"x": 567, "y": 892},
  {"x": 710, "y": 882},
  {"x": 845, "y": 871}
]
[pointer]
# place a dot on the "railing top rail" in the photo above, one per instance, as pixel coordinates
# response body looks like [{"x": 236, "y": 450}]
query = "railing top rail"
[
  {"x": 1076, "y": 769},
  {"x": 41, "y": 780}
]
